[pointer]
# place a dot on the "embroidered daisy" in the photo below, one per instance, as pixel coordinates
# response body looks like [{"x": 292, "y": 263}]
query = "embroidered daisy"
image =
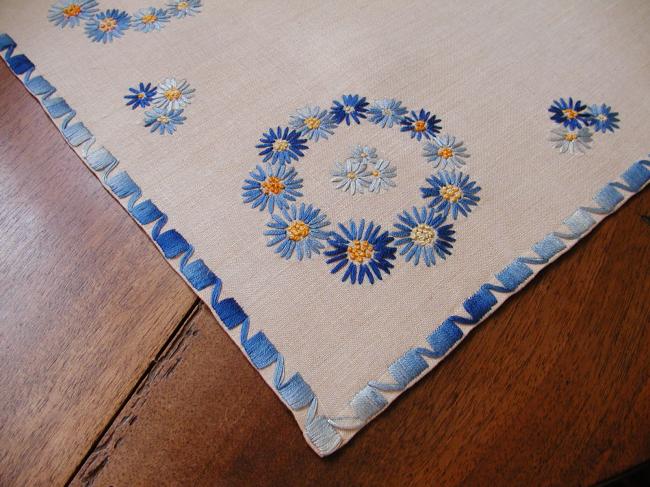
[
  {"x": 421, "y": 233},
  {"x": 298, "y": 230},
  {"x": 313, "y": 123},
  {"x": 445, "y": 151},
  {"x": 149, "y": 19},
  {"x": 141, "y": 96},
  {"x": 387, "y": 112},
  {"x": 571, "y": 141},
  {"x": 351, "y": 176},
  {"x": 71, "y": 12},
  {"x": 364, "y": 153},
  {"x": 380, "y": 175},
  {"x": 353, "y": 106},
  {"x": 451, "y": 192},
  {"x": 105, "y": 26},
  {"x": 421, "y": 124},
  {"x": 571, "y": 115},
  {"x": 281, "y": 146},
  {"x": 364, "y": 252},
  {"x": 163, "y": 120},
  {"x": 183, "y": 8},
  {"x": 603, "y": 118},
  {"x": 173, "y": 94},
  {"x": 272, "y": 187}
]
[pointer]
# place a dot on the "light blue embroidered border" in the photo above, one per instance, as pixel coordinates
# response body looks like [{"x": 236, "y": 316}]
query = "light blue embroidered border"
[{"x": 321, "y": 431}]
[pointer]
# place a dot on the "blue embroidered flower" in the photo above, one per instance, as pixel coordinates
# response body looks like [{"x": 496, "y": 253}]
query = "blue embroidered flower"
[
  {"x": 351, "y": 176},
  {"x": 451, "y": 192},
  {"x": 569, "y": 114},
  {"x": 301, "y": 230},
  {"x": 421, "y": 124},
  {"x": 603, "y": 118},
  {"x": 353, "y": 106},
  {"x": 70, "y": 12},
  {"x": 163, "y": 120},
  {"x": 381, "y": 175},
  {"x": 105, "y": 26},
  {"x": 387, "y": 112},
  {"x": 173, "y": 94},
  {"x": 272, "y": 187},
  {"x": 281, "y": 146},
  {"x": 313, "y": 123},
  {"x": 149, "y": 19},
  {"x": 571, "y": 141},
  {"x": 364, "y": 153},
  {"x": 445, "y": 151},
  {"x": 363, "y": 252},
  {"x": 422, "y": 234},
  {"x": 141, "y": 96},
  {"x": 183, "y": 8}
]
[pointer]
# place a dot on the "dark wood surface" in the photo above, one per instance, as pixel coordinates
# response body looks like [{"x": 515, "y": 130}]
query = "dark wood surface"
[{"x": 112, "y": 374}]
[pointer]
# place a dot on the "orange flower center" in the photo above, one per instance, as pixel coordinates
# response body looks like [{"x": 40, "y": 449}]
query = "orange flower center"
[
  {"x": 419, "y": 125},
  {"x": 149, "y": 19},
  {"x": 182, "y": 5},
  {"x": 297, "y": 230},
  {"x": 108, "y": 24},
  {"x": 312, "y": 123},
  {"x": 272, "y": 185},
  {"x": 280, "y": 145},
  {"x": 570, "y": 136},
  {"x": 140, "y": 96},
  {"x": 451, "y": 193},
  {"x": 360, "y": 250},
  {"x": 423, "y": 234},
  {"x": 72, "y": 10},
  {"x": 445, "y": 152},
  {"x": 172, "y": 94},
  {"x": 375, "y": 173},
  {"x": 570, "y": 113},
  {"x": 164, "y": 119}
]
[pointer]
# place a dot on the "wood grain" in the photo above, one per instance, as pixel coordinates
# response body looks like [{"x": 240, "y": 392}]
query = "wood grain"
[
  {"x": 86, "y": 301},
  {"x": 554, "y": 389}
]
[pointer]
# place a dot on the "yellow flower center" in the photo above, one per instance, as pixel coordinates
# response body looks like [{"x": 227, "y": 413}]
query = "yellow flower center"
[
  {"x": 570, "y": 136},
  {"x": 72, "y": 10},
  {"x": 172, "y": 94},
  {"x": 602, "y": 117},
  {"x": 297, "y": 230},
  {"x": 312, "y": 123},
  {"x": 570, "y": 113},
  {"x": 423, "y": 234},
  {"x": 419, "y": 125},
  {"x": 280, "y": 145},
  {"x": 387, "y": 112},
  {"x": 107, "y": 24},
  {"x": 445, "y": 152},
  {"x": 375, "y": 173},
  {"x": 272, "y": 185},
  {"x": 451, "y": 193},
  {"x": 348, "y": 109},
  {"x": 352, "y": 175},
  {"x": 359, "y": 251},
  {"x": 182, "y": 5},
  {"x": 140, "y": 96},
  {"x": 163, "y": 119},
  {"x": 149, "y": 19}
]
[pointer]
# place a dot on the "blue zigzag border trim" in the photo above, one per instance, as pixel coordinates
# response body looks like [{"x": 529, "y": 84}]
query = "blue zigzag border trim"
[{"x": 320, "y": 431}]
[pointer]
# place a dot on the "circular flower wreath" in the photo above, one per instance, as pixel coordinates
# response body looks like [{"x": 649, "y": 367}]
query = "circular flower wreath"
[{"x": 360, "y": 250}]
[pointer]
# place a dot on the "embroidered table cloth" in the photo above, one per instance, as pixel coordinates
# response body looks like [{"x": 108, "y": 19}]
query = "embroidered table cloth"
[{"x": 351, "y": 187}]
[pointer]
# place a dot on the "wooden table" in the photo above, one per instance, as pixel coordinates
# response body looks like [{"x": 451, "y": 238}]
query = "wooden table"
[{"x": 113, "y": 373}]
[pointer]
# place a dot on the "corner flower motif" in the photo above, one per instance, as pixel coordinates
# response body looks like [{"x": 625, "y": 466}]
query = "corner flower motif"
[
  {"x": 281, "y": 146},
  {"x": 108, "y": 25},
  {"x": 421, "y": 233},
  {"x": 184, "y": 8},
  {"x": 313, "y": 123},
  {"x": 380, "y": 176},
  {"x": 66, "y": 13},
  {"x": 571, "y": 141},
  {"x": 421, "y": 124},
  {"x": 353, "y": 107},
  {"x": 445, "y": 151},
  {"x": 569, "y": 113},
  {"x": 451, "y": 192},
  {"x": 173, "y": 94},
  {"x": 163, "y": 120},
  {"x": 272, "y": 187},
  {"x": 364, "y": 153},
  {"x": 351, "y": 176},
  {"x": 364, "y": 252},
  {"x": 387, "y": 112},
  {"x": 602, "y": 118},
  {"x": 150, "y": 19},
  {"x": 297, "y": 230},
  {"x": 141, "y": 96}
]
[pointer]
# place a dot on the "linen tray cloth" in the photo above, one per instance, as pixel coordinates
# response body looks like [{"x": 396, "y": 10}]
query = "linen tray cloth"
[{"x": 351, "y": 187}]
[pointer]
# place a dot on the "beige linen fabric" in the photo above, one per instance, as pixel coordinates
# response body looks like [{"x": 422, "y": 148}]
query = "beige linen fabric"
[{"x": 489, "y": 70}]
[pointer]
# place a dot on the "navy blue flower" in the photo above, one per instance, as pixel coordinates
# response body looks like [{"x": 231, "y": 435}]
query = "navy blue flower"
[
  {"x": 163, "y": 120},
  {"x": 451, "y": 192},
  {"x": 422, "y": 234},
  {"x": 272, "y": 187},
  {"x": 105, "y": 26},
  {"x": 353, "y": 107},
  {"x": 603, "y": 118},
  {"x": 298, "y": 230},
  {"x": 364, "y": 252},
  {"x": 421, "y": 124},
  {"x": 281, "y": 146},
  {"x": 569, "y": 114},
  {"x": 141, "y": 96},
  {"x": 70, "y": 12},
  {"x": 387, "y": 112}
]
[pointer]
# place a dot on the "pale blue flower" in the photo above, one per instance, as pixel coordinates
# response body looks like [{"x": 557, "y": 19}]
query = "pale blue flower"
[
  {"x": 351, "y": 176},
  {"x": 445, "y": 151},
  {"x": 313, "y": 123},
  {"x": 163, "y": 120},
  {"x": 387, "y": 112},
  {"x": 298, "y": 231},
  {"x": 66, "y": 13},
  {"x": 150, "y": 19},
  {"x": 381, "y": 175},
  {"x": 364, "y": 153},
  {"x": 184, "y": 8}
]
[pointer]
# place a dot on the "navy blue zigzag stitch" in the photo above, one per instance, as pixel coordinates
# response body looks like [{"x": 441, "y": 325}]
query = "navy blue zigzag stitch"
[{"x": 295, "y": 392}]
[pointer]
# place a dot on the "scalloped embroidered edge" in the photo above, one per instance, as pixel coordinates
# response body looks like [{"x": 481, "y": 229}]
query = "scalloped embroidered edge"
[{"x": 320, "y": 431}]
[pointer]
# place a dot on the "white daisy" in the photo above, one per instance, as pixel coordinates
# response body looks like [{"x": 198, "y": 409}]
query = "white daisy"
[
  {"x": 571, "y": 141},
  {"x": 173, "y": 94},
  {"x": 364, "y": 153},
  {"x": 351, "y": 176},
  {"x": 445, "y": 150}
]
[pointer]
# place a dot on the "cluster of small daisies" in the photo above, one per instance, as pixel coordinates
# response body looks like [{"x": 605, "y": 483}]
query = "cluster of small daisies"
[
  {"x": 112, "y": 23},
  {"x": 360, "y": 251},
  {"x": 579, "y": 123},
  {"x": 167, "y": 102}
]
